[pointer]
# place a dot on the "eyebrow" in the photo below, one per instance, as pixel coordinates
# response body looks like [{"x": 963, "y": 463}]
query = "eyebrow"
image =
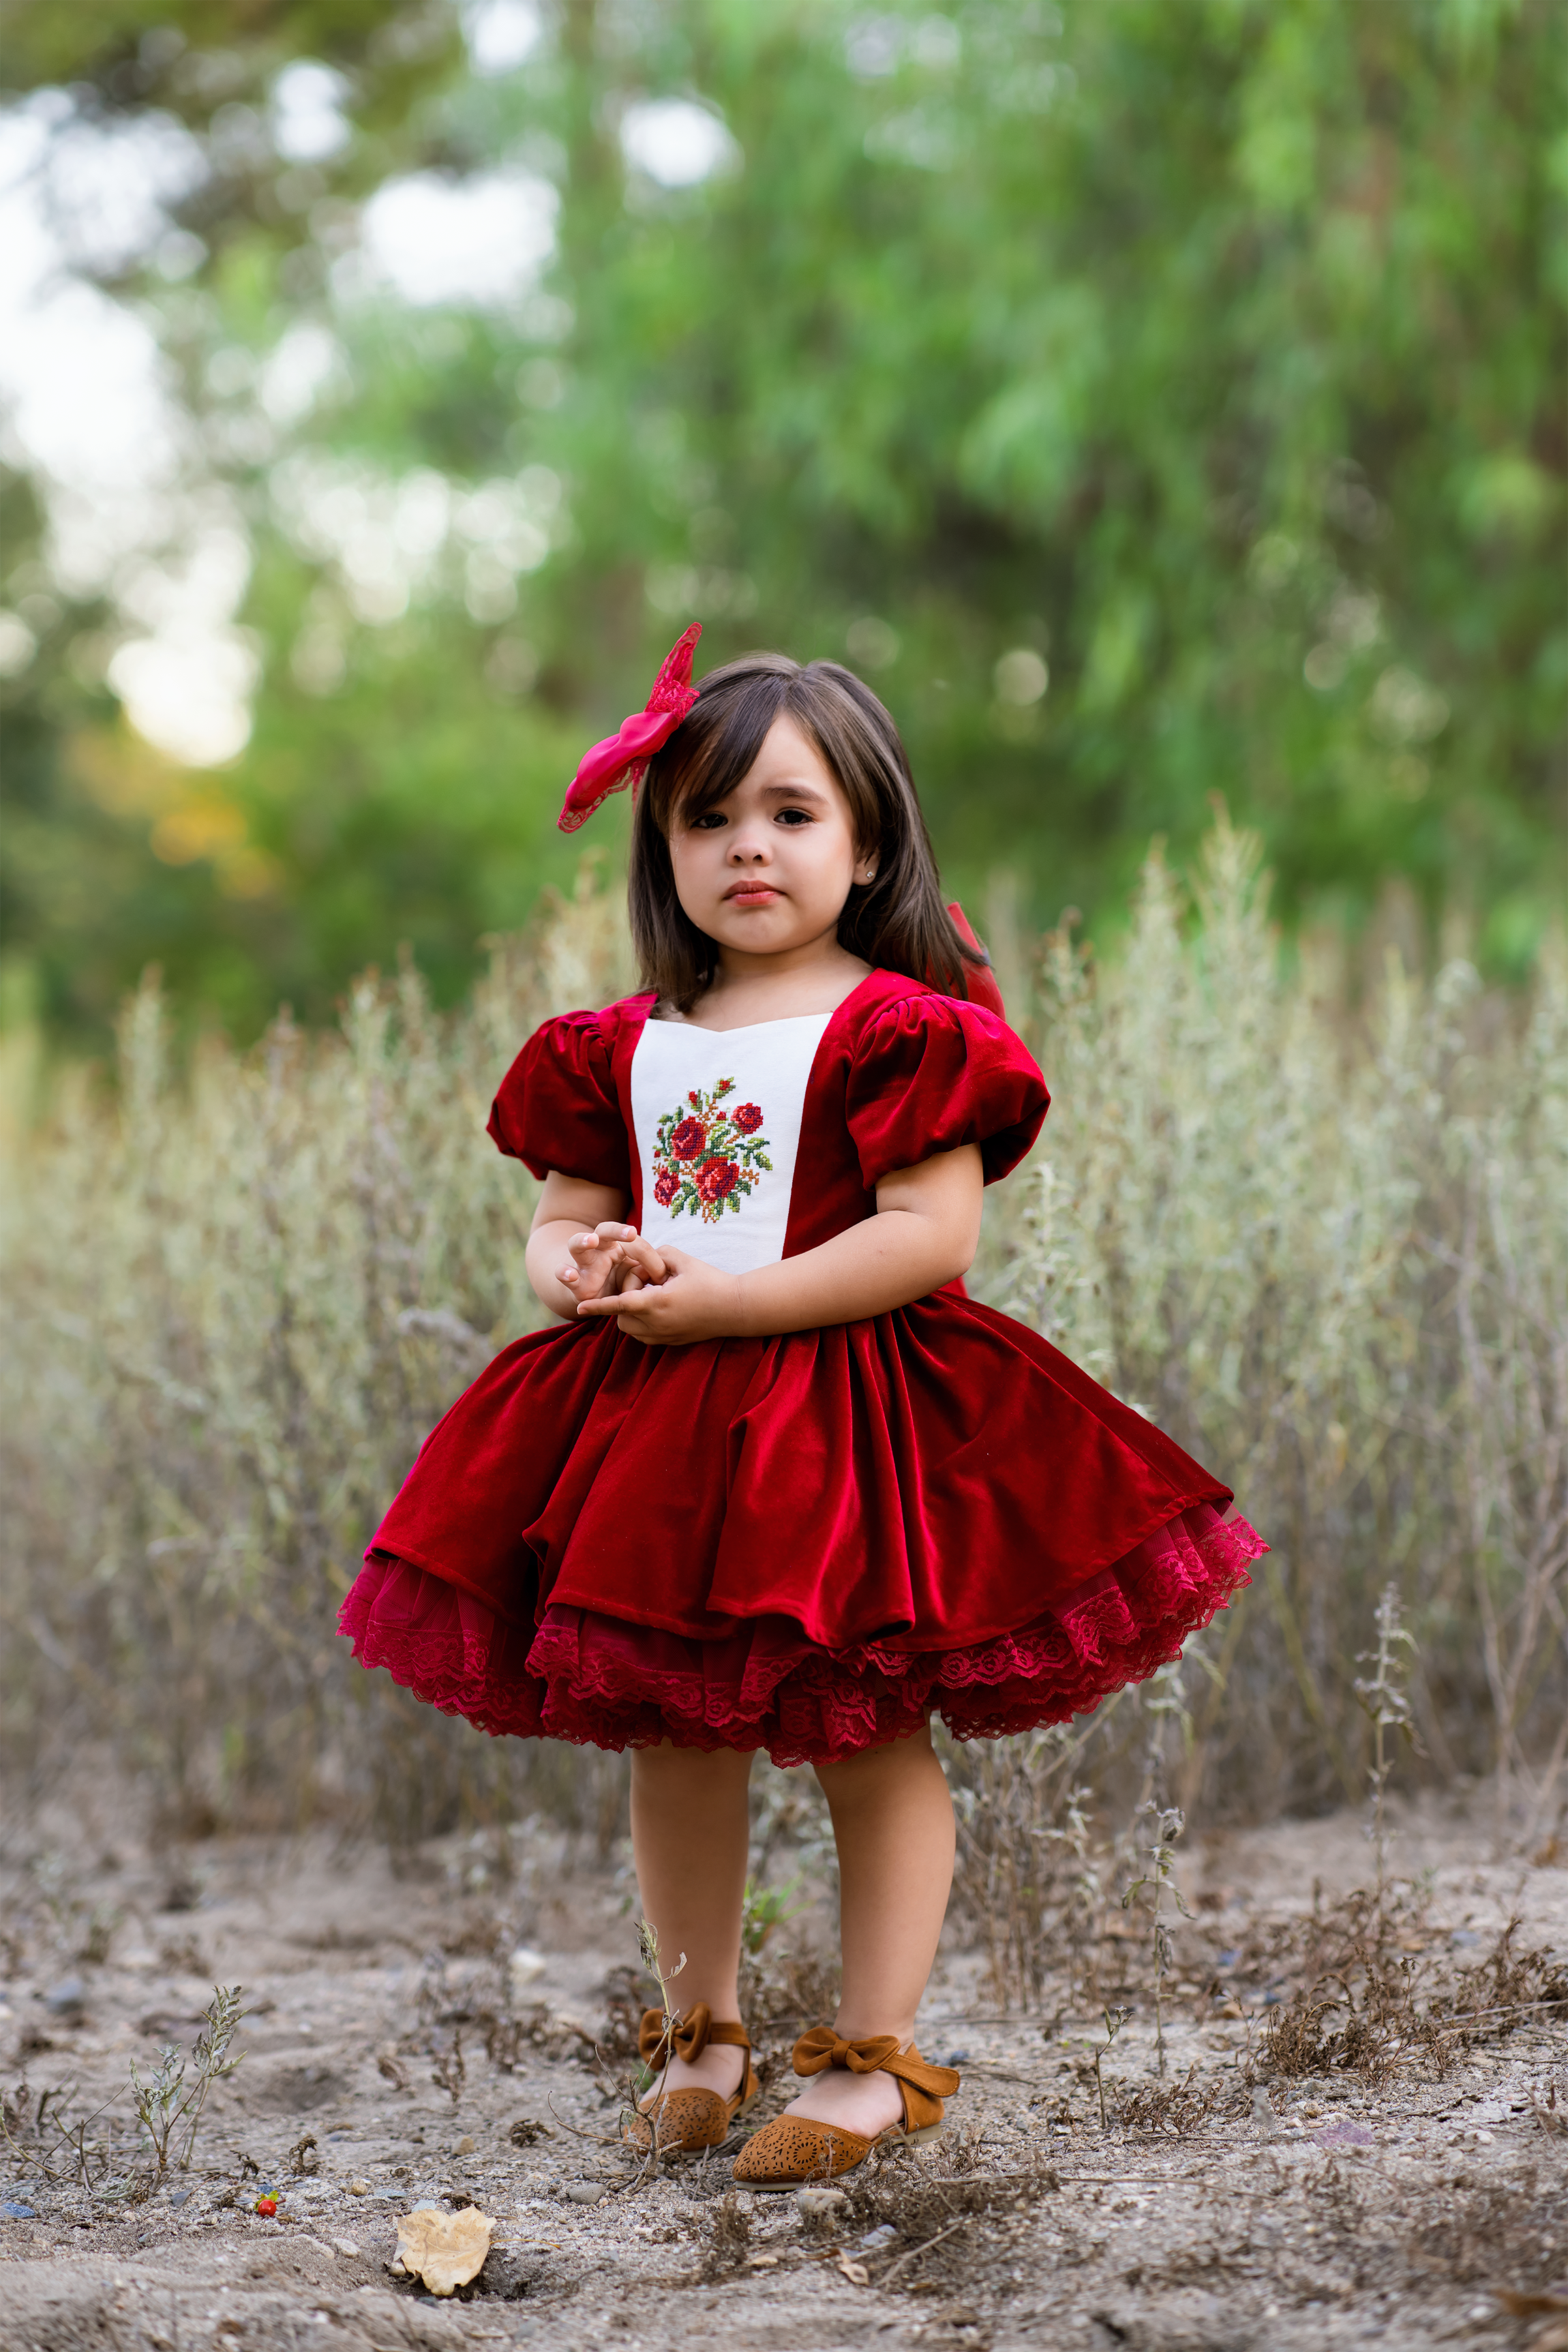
[{"x": 797, "y": 791}]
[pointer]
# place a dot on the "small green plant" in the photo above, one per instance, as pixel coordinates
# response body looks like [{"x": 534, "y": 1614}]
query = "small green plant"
[
  {"x": 763, "y": 1908},
  {"x": 165, "y": 2099}
]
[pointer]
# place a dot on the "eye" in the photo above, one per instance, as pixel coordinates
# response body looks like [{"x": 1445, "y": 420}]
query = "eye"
[
  {"x": 793, "y": 817},
  {"x": 710, "y": 821}
]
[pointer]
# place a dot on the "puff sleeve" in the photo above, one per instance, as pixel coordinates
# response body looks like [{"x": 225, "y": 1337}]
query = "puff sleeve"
[
  {"x": 931, "y": 1073},
  {"x": 557, "y": 1105}
]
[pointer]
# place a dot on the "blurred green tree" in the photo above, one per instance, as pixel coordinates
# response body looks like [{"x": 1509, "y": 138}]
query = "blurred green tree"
[{"x": 1151, "y": 403}]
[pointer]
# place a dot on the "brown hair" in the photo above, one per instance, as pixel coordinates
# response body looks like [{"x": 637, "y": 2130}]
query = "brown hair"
[{"x": 896, "y": 922}]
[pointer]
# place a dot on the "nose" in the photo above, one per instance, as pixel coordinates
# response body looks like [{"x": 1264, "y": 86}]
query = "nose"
[{"x": 748, "y": 848}]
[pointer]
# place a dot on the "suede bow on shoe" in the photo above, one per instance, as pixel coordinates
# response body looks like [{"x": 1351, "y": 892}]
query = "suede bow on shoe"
[
  {"x": 685, "y": 2122},
  {"x": 660, "y": 2037}
]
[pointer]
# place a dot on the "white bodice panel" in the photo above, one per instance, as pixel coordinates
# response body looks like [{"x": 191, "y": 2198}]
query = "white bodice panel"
[{"x": 717, "y": 1115}]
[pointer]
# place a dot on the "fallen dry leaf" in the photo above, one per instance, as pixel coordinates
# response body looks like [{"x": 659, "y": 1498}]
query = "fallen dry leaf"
[
  {"x": 446, "y": 2250},
  {"x": 1530, "y": 2306},
  {"x": 856, "y": 2273}
]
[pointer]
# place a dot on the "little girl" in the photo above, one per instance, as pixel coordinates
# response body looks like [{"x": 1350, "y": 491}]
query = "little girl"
[{"x": 775, "y": 1480}]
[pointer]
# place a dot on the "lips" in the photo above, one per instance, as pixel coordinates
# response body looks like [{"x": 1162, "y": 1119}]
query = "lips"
[{"x": 750, "y": 893}]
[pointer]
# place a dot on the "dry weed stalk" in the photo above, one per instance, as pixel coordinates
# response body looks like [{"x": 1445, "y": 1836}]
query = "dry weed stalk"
[
  {"x": 1169, "y": 1822},
  {"x": 1385, "y": 1700},
  {"x": 1115, "y": 2018},
  {"x": 727, "y": 2240},
  {"x": 647, "y": 1945}
]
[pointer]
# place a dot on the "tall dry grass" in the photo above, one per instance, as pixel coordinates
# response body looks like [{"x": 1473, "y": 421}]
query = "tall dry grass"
[{"x": 1327, "y": 1250}]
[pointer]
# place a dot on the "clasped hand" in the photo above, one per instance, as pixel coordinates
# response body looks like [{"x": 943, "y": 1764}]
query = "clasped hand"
[{"x": 659, "y": 1297}]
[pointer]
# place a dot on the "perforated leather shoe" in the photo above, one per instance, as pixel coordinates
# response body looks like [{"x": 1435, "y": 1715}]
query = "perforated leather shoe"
[
  {"x": 686, "y": 2121},
  {"x": 795, "y": 2149}
]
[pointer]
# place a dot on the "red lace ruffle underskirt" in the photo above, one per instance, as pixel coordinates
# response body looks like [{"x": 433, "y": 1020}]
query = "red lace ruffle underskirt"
[{"x": 605, "y": 1683}]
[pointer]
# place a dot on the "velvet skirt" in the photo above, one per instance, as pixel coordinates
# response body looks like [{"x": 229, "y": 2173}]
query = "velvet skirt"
[{"x": 808, "y": 1544}]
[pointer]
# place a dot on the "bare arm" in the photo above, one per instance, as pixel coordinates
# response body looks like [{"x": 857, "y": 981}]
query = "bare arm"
[
  {"x": 565, "y": 1239},
  {"x": 925, "y": 1231}
]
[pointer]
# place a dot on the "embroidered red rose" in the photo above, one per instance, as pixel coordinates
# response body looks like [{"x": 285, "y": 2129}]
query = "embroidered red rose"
[
  {"x": 716, "y": 1177},
  {"x": 710, "y": 1159}
]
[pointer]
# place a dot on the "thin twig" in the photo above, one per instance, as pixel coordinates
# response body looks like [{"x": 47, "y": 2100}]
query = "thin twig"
[{"x": 916, "y": 2250}]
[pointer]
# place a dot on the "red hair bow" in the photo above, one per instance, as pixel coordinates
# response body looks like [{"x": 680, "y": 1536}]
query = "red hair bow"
[{"x": 621, "y": 758}]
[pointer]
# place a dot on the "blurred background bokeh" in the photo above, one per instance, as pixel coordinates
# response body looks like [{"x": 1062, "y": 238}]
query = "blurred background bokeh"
[{"x": 1153, "y": 402}]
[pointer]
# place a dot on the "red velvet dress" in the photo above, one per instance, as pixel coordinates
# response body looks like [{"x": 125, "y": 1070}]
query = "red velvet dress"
[{"x": 808, "y": 1543}]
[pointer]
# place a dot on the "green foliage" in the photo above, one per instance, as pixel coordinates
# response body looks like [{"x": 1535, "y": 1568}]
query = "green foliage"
[
  {"x": 164, "y": 2100},
  {"x": 1150, "y": 402}
]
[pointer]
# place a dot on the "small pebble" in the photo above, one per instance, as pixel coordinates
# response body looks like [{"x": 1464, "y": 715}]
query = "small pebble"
[
  {"x": 583, "y": 2192},
  {"x": 465, "y": 2146},
  {"x": 359, "y": 2188},
  {"x": 67, "y": 1999},
  {"x": 347, "y": 2247},
  {"x": 15, "y": 2211}
]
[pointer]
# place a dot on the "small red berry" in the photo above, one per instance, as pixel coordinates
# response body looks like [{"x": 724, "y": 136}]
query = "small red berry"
[{"x": 266, "y": 2207}]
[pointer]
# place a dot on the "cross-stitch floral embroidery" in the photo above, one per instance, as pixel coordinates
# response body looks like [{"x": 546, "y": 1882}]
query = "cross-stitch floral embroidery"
[{"x": 709, "y": 1154}]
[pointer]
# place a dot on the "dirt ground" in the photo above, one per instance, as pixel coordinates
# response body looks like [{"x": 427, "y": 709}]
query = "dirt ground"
[{"x": 398, "y": 2052}]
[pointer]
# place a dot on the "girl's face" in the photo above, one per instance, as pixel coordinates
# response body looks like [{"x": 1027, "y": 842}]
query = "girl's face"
[{"x": 769, "y": 868}]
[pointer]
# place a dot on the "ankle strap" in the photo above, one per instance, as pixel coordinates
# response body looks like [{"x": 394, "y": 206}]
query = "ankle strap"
[
  {"x": 686, "y": 2036},
  {"x": 880, "y": 2054}
]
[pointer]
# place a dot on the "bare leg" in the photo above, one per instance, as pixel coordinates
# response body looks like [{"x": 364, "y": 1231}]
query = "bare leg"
[
  {"x": 691, "y": 1838},
  {"x": 893, "y": 1819}
]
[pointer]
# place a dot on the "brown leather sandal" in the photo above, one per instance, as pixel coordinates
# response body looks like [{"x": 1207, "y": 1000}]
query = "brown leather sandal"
[
  {"x": 685, "y": 2122},
  {"x": 794, "y": 2149}
]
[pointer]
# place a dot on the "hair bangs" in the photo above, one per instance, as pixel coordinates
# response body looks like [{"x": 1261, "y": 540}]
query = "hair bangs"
[
  {"x": 713, "y": 749},
  {"x": 895, "y": 922}
]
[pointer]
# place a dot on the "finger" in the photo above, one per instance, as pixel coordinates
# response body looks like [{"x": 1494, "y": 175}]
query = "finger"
[
  {"x": 618, "y": 1302},
  {"x": 645, "y": 1257}
]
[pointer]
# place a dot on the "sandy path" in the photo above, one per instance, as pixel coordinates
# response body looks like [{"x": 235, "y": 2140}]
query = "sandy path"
[{"x": 1319, "y": 2213}]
